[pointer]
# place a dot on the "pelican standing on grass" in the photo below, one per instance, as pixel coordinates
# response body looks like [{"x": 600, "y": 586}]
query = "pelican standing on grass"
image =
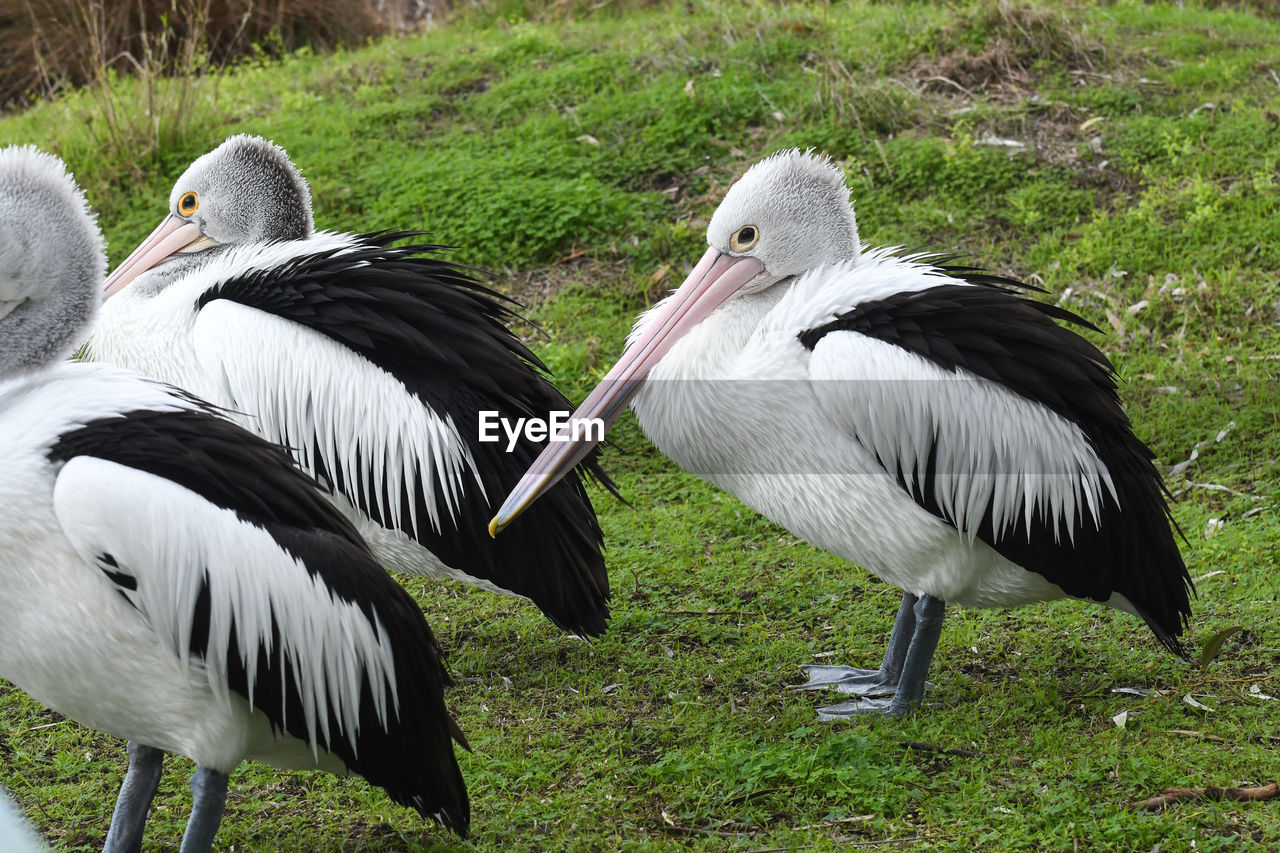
[
  {"x": 925, "y": 421},
  {"x": 374, "y": 364},
  {"x": 171, "y": 579}
]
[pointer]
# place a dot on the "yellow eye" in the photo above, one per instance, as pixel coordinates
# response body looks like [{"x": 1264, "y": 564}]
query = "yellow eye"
[
  {"x": 745, "y": 239},
  {"x": 188, "y": 203}
]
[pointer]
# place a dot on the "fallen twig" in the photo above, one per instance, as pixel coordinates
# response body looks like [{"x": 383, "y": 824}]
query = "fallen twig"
[
  {"x": 1192, "y": 733},
  {"x": 827, "y": 824},
  {"x": 1218, "y": 487},
  {"x": 571, "y": 256},
  {"x": 880, "y": 842},
  {"x": 21, "y": 732},
  {"x": 709, "y": 613},
  {"x": 1170, "y": 796},
  {"x": 949, "y": 82}
]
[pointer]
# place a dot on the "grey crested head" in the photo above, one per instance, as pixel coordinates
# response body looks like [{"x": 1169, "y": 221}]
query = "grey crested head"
[
  {"x": 52, "y": 260},
  {"x": 791, "y": 211},
  {"x": 246, "y": 190}
]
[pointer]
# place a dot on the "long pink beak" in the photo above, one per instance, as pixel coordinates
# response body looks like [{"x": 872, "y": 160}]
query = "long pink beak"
[
  {"x": 170, "y": 237},
  {"x": 716, "y": 277}
]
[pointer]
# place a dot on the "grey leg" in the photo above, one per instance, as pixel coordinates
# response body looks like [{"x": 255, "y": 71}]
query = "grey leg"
[
  {"x": 209, "y": 798},
  {"x": 929, "y": 613},
  {"x": 871, "y": 682},
  {"x": 140, "y": 783},
  {"x": 914, "y": 667}
]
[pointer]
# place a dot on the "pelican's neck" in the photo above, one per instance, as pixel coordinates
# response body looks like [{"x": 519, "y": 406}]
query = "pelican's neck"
[
  {"x": 147, "y": 328},
  {"x": 175, "y": 270},
  {"x": 43, "y": 331},
  {"x": 711, "y": 349},
  {"x": 694, "y": 389}
]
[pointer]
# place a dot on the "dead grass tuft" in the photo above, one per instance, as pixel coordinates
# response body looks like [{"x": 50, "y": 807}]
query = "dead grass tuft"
[
  {"x": 1261, "y": 8},
  {"x": 52, "y": 45},
  {"x": 999, "y": 46}
]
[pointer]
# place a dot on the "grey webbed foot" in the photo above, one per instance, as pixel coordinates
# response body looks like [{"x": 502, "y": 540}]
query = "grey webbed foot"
[
  {"x": 861, "y": 705},
  {"x": 847, "y": 679},
  {"x": 898, "y": 686}
]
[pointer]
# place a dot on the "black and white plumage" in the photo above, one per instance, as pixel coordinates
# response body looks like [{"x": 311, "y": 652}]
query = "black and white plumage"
[
  {"x": 171, "y": 579},
  {"x": 923, "y": 420},
  {"x": 372, "y": 362}
]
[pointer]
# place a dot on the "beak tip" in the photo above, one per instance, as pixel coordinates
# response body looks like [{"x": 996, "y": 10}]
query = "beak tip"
[{"x": 494, "y": 528}]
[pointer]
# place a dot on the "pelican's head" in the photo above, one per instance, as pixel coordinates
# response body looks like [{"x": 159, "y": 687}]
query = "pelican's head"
[
  {"x": 244, "y": 191},
  {"x": 52, "y": 259},
  {"x": 789, "y": 213}
]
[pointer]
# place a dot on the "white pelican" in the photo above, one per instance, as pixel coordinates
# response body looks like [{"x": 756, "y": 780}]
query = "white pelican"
[
  {"x": 927, "y": 422},
  {"x": 171, "y": 579},
  {"x": 372, "y": 363},
  {"x": 15, "y": 835}
]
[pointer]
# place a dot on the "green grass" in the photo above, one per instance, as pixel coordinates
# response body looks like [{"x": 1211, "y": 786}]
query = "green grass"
[{"x": 581, "y": 152}]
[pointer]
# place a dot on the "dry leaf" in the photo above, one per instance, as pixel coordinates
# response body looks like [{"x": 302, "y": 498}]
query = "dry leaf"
[
  {"x": 1190, "y": 700},
  {"x": 1139, "y": 691},
  {"x": 1182, "y": 795},
  {"x": 1256, "y": 692}
]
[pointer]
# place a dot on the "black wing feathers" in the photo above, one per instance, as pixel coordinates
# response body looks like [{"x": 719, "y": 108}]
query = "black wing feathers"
[
  {"x": 214, "y": 458},
  {"x": 412, "y": 758},
  {"x": 437, "y": 329},
  {"x": 994, "y": 332}
]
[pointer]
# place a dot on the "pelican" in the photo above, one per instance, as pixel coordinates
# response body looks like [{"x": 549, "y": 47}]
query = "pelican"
[
  {"x": 15, "y": 835},
  {"x": 374, "y": 364},
  {"x": 925, "y": 421},
  {"x": 171, "y": 579}
]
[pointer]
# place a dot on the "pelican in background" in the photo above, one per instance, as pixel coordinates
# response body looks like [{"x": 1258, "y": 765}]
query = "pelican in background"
[
  {"x": 925, "y": 421},
  {"x": 171, "y": 579},
  {"x": 374, "y": 364}
]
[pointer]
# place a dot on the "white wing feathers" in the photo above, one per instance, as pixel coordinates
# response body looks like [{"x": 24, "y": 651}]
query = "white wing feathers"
[
  {"x": 171, "y": 541},
  {"x": 994, "y": 451},
  {"x": 368, "y": 427}
]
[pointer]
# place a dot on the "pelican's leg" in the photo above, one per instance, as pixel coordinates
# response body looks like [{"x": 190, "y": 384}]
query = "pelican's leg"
[
  {"x": 871, "y": 682},
  {"x": 209, "y": 798},
  {"x": 910, "y": 688},
  {"x": 136, "y": 792}
]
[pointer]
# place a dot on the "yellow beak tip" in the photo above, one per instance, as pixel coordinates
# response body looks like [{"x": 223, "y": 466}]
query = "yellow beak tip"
[{"x": 493, "y": 528}]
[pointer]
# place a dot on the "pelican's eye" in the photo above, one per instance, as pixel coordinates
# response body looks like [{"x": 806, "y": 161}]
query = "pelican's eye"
[
  {"x": 188, "y": 203},
  {"x": 745, "y": 239}
]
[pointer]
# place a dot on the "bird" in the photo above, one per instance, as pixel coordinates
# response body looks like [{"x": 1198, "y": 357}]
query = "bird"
[
  {"x": 926, "y": 420},
  {"x": 376, "y": 364},
  {"x": 176, "y": 581},
  {"x": 16, "y": 836}
]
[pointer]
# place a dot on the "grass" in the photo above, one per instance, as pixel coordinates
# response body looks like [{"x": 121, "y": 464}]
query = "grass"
[{"x": 580, "y": 151}]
